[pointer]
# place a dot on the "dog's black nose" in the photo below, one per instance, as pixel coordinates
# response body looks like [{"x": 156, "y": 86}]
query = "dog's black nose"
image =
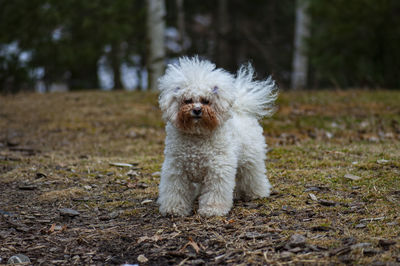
[{"x": 196, "y": 111}]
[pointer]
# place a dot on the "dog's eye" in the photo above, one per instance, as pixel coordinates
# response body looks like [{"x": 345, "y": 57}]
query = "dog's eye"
[
  {"x": 205, "y": 101},
  {"x": 188, "y": 101}
]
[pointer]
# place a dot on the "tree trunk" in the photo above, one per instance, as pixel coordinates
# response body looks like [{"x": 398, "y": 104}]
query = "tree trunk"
[
  {"x": 181, "y": 25},
  {"x": 223, "y": 51},
  {"x": 155, "y": 33},
  {"x": 300, "y": 58},
  {"x": 116, "y": 66}
]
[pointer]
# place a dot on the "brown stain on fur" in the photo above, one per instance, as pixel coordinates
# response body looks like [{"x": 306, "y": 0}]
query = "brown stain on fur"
[
  {"x": 209, "y": 118},
  {"x": 186, "y": 122}
]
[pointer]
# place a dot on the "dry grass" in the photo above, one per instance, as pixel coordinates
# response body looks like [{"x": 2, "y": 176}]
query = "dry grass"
[
  {"x": 316, "y": 139},
  {"x": 67, "y": 194}
]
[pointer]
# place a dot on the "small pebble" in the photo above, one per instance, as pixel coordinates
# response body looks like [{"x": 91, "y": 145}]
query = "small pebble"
[
  {"x": 286, "y": 255},
  {"x": 132, "y": 173},
  {"x": 297, "y": 240},
  {"x": 313, "y": 189},
  {"x": 40, "y": 175},
  {"x": 326, "y": 202},
  {"x": 58, "y": 228},
  {"x": 18, "y": 258},
  {"x": 27, "y": 187},
  {"x": 373, "y": 139},
  {"x": 348, "y": 241},
  {"x": 328, "y": 134},
  {"x": 197, "y": 262},
  {"x": 254, "y": 235},
  {"x": 113, "y": 214},
  {"x": 296, "y": 249},
  {"x": 68, "y": 212},
  {"x": 370, "y": 252},
  {"x": 142, "y": 185},
  {"x": 386, "y": 243},
  {"x": 321, "y": 228},
  {"x": 361, "y": 245}
]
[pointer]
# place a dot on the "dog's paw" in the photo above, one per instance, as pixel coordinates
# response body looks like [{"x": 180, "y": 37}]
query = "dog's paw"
[
  {"x": 257, "y": 195},
  {"x": 175, "y": 210},
  {"x": 209, "y": 210},
  {"x": 263, "y": 190}
]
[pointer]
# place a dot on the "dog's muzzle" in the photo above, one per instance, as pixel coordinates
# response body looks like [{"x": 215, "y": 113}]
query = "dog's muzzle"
[{"x": 196, "y": 112}]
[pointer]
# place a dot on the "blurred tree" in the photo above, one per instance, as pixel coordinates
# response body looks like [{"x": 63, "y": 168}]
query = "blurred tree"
[
  {"x": 355, "y": 43},
  {"x": 13, "y": 76},
  {"x": 234, "y": 32},
  {"x": 224, "y": 35},
  {"x": 66, "y": 39},
  {"x": 181, "y": 25},
  {"x": 300, "y": 56},
  {"x": 156, "y": 50},
  {"x": 20, "y": 26}
]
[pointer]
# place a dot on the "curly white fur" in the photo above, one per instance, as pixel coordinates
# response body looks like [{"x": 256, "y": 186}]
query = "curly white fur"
[{"x": 214, "y": 147}]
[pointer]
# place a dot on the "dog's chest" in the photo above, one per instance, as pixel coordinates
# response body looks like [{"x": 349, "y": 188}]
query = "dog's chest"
[{"x": 195, "y": 162}]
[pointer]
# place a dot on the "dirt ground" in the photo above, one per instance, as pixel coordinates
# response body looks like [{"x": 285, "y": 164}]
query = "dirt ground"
[{"x": 65, "y": 198}]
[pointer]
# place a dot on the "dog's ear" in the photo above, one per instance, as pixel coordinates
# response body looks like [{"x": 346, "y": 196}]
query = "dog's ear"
[{"x": 215, "y": 90}]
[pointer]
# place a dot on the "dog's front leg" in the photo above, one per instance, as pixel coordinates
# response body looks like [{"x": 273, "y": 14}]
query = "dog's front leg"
[
  {"x": 176, "y": 192},
  {"x": 217, "y": 191}
]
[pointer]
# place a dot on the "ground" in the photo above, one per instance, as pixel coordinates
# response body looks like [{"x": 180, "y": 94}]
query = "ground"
[{"x": 334, "y": 162}]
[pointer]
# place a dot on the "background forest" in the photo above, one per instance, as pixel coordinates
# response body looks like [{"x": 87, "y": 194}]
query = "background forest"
[{"x": 66, "y": 45}]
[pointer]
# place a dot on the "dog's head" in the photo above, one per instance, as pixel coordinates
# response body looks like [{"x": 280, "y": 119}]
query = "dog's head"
[{"x": 196, "y": 97}]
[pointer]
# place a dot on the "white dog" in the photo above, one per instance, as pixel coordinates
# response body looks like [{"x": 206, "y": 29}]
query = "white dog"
[{"x": 215, "y": 146}]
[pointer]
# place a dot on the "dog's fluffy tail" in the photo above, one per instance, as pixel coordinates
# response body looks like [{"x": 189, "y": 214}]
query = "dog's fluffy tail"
[{"x": 254, "y": 97}]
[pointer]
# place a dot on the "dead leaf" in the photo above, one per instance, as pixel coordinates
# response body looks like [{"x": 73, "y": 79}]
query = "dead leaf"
[
  {"x": 131, "y": 185},
  {"x": 156, "y": 174},
  {"x": 132, "y": 173},
  {"x": 372, "y": 219},
  {"x": 154, "y": 238},
  {"x": 146, "y": 201},
  {"x": 382, "y": 161},
  {"x": 352, "y": 177},
  {"x": 194, "y": 245},
  {"x": 313, "y": 197},
  {"x": 231, "y": 221},
  {"x": 122, "y": 165},
  {"x": 63, "y": 228},
  {"x": 52, "y": 227},
  {"x": 141, "y": 258},
  {"x": 191, "y": 243}
]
